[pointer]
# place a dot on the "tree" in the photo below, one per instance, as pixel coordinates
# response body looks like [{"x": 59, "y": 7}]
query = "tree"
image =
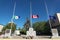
[
  {"x": 19, "y": 29},
  {"x": 42, "y": 27},
  {"x": 23, "y": 31},
  {"x": 8, "y": 26},
  {"x": 27, "y": 24}
]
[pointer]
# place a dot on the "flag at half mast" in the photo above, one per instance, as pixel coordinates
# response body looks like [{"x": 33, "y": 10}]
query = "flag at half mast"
[
  {"x": 16, "y": 17},
  {"x": 35, "y": 16}
]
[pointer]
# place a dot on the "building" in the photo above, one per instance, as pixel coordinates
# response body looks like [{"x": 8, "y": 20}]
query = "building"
[
  {"x": 58, "y": 16},
  {"x": 56, "y": 24},
  {"x": 1, "y": 26},
  {"x": 56, "y": 21}
]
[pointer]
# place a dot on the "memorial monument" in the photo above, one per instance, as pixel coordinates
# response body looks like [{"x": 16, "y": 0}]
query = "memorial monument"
[{"x": 31, "y": 32}]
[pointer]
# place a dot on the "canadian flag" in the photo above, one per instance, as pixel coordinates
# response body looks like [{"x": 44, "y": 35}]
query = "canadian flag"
[{"x": 35, "y": 16}]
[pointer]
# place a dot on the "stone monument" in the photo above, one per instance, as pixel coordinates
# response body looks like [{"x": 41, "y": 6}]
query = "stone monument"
[
  {"x": 8, "y": 33},
  {"x": 54, "y": 33},
  {"x": 31, "y": 33},
  {"x": 17, "y": 32}
]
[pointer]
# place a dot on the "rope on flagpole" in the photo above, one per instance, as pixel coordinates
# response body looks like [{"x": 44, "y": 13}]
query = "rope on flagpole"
[
  {"x": 48, "y": 16},
  {"x": 13, "y": 16}
]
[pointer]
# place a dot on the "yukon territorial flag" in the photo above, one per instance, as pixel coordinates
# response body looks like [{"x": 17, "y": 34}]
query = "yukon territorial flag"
[
  {"x": 16, "y": 17},
  {"x": 35, "y": 16}
]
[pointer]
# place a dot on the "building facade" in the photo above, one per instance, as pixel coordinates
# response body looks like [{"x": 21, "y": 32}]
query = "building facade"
[
  {"x": 56, "y": 21},
  {"x": 1, "y": 26},
  {"x": 56, "y": 24}
]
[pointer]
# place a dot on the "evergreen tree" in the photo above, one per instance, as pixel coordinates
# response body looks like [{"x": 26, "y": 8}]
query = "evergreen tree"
[{"x": 27, "y": 24}]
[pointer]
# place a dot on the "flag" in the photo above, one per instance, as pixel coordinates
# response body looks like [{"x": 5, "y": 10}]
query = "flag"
[
  {"x": 16, "y": 17},
  {"x": 35, "y": 16},
  {"x": 53, "y": 18}
]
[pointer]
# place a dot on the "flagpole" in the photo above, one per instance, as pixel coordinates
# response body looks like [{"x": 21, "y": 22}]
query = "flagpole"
[
  {"x": 48, "y": 16},
  {"x": 30, "y": 14},
  {"x": 13, "y": 16}
]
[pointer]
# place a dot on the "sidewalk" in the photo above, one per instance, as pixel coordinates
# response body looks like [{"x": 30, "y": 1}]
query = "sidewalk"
[{"x": 30, "y": 39}]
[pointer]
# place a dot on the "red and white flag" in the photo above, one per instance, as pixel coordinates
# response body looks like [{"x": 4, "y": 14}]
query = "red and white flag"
[{"x": 35, "y": 16}]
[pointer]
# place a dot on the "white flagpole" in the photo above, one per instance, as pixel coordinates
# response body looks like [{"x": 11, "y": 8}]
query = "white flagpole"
[
  {"x": 30, "y": 14},
  {"x": 13, "y": 12},
  {"x": 48, "y": 16},
  {"x": 13, "y": 16}
]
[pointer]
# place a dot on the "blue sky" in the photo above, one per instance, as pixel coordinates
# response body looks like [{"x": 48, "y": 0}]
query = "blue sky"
[{"x": 23, "y": 10}]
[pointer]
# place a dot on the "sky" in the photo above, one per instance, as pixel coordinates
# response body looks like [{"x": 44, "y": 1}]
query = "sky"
[{"x": 23, "y": 10}]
